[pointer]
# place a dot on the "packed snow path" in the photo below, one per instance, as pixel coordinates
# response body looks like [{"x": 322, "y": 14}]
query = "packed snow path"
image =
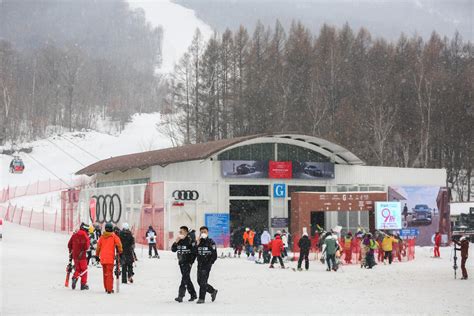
[{"x": 33, "y": 271}]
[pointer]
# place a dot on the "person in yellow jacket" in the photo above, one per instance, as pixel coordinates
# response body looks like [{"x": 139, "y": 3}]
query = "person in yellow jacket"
[{"x": 387, "y": 246}]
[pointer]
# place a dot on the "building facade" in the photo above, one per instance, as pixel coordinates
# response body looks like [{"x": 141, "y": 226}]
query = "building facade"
[{"x": 240, "y": 182}]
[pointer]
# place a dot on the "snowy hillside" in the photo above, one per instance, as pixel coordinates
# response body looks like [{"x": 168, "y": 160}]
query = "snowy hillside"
[
  {"x": 179, "y": 25},
  {"x": 65, "y": 154}
]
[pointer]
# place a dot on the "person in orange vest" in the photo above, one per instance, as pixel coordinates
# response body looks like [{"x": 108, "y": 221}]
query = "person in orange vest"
[
  {"x": 248, "y": 241},
  {"x": 348, "y": 248},
  {"x": 437, "y": 241},
  {"x": 106, "y": 247}
]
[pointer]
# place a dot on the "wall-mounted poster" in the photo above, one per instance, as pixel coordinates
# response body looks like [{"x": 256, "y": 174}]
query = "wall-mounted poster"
[
  {"x": 423, "y": 208},
  {"x": 244, "y": 169},
  {"x": 218, "y": 224},
  {"x": 388, "y": 215},
  {"x": 313, "y": 170}
]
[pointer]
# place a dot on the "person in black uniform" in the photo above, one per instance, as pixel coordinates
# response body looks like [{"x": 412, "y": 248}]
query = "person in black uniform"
[
  {"x": 304, "y": 244},
  {"x": 127, "y": 259},
  {"x": 206, "y": 256},
  {"x": 184, "y": 246}
]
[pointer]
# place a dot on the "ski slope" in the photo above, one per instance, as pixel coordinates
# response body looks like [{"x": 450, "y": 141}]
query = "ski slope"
[
  {"x": 179, "y": 25},
  {"x": 33, "y": 272},
  {"x": 63, "y": 155}
]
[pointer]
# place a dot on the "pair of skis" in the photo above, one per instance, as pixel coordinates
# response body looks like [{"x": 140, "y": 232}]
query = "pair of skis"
[
  {"x": 117, "y": 270},
  {"x": 68, "y": 271}
]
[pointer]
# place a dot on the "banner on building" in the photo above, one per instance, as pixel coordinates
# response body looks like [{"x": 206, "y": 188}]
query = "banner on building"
[
  {"x": 388, "y": 215},
  {"x": 244, "y": 169},
  {"x": 218, "y": 224},
  {"x": 313, "y": 170},
  {"x": 280, "y": 169},
  {"x": 424, "y": 208}
]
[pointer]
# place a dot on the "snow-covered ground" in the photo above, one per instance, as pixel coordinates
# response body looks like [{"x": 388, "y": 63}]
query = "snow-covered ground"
[
  {"x": 179, "y": 25},
  {"x": 65, "y": 154},
  {"x": 33, "y": 271}
]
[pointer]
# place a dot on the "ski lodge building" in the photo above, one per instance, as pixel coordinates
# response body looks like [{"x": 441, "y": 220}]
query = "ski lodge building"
[{"x": 250, "y": 181}]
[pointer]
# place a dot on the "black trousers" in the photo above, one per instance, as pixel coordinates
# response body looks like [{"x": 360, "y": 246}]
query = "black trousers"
[
  {"x": 202, "y": 277},
  {"x": 186, "y": 282},
  {"x": 388, "y": 254},
  {"x": 304, "y": 254},
  {"x": 463, "y": 267},
  {"x": 150, "y": 247},
  {"x": 266, "y": 256},
  {"x": 127, "y": 271},
  {"x": 331, "y": 261},
  {"x": 274, "y": 260}
]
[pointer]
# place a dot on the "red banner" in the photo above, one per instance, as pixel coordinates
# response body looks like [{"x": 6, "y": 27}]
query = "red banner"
[{"x": 280, "y": 169}]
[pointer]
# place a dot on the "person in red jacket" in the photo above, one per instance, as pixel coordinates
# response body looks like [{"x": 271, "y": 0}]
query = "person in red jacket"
[
  {"x": 78, "y": 245},
  {"x": 106, "y": 246},
  {"x": 276, "y": 245},
  {"x": 437, "y": 241}
]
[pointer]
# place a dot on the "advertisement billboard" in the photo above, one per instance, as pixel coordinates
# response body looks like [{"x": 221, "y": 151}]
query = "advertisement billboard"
[
  {"x": 425, "y": 208},
  {"x": 313, "y": 170},
  {"x": 218, "y": 224},
  {"x": 280, "y": 169},
  {"x": 388, "y": 215},
  {"x": 244, "y": 169}
]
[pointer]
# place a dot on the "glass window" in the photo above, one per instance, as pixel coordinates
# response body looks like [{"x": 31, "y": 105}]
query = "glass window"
[
  {"x": 248, "y": 190},
  {"x": 261, "y": 152},
  {"x": 304, "y": 188}
]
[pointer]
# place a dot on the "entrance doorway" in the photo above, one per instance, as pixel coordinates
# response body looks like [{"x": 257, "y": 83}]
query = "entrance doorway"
[
  {"x": 248, "y": 213},
  {"x": 317, "y": 218}
]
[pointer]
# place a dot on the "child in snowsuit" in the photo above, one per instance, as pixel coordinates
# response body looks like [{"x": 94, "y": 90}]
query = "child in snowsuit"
[{"x": 276, "y": 246}]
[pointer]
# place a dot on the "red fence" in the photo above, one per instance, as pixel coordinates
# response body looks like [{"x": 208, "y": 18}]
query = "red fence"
[
  {"x": 39, "y": 219},
  {"x": 39, "y": 187}
]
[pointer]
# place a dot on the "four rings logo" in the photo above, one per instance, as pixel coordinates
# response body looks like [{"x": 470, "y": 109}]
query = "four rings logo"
[
  {"x": 107, "y": 208},
  {"x": 186, "y": 195}
]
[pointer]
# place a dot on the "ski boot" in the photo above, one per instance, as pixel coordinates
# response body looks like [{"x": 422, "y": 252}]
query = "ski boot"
[
  {"x": 200, "y": 301},
  {"x": 84, "y": 287},
  {"x": 74, "y": 282},
  {"x": 213, "y": 295},
  {"x": 179, "y": 299},
  {"x": 299, "y": 269},
  {"x": 193, "y": 298},
  {"x": 272, "y": 267},
  {"x": 130, "y": 280}
]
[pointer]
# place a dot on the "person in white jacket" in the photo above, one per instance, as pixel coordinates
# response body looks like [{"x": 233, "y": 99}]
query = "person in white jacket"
[{"x": 265, "y": 240}]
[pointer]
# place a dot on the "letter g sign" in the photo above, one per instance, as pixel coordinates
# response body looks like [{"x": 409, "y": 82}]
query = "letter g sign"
[{"x": 279, "y": 190}]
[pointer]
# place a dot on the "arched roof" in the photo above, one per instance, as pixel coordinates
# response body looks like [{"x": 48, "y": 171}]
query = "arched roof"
[{"x": 206, "y": 150}]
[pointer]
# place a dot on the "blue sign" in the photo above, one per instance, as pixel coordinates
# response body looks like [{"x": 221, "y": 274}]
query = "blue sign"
[
  {"x": 409, "y": 232},
  {"x": 218, "y": 224},
  {"x": 279, "y": 190}
]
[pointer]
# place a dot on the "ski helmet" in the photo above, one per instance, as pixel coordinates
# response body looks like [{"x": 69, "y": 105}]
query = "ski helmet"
[
  {"x": 84, "y": 227},
  {"x": 125, "y": 226},
  {"x": 109, "y": 227}
]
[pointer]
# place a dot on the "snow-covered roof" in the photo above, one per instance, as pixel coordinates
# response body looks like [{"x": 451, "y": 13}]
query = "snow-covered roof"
[{"x": 201, "y": 151}]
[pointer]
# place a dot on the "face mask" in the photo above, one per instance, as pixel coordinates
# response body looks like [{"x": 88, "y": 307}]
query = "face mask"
[{"x": 204, "y": 235}]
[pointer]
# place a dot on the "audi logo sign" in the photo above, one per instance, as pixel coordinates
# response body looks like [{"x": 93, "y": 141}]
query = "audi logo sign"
[
  {"x": 186, "y": 195},
  {"x": 108, "y": 208}
]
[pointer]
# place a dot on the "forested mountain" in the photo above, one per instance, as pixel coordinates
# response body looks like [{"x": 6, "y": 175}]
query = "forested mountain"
[
  {"x": 65, "y": 62},
  {"x": 404, "y": 103},
  {"x": 385, "y": 18}
]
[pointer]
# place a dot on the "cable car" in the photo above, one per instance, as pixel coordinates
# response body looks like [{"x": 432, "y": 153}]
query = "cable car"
[{"x": 17, "y": 165}]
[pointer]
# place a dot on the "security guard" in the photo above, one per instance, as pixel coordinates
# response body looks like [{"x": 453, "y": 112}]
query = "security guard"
[
  {"x": 206, "y": 256},
  {"x": 184, "y": 246}
]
